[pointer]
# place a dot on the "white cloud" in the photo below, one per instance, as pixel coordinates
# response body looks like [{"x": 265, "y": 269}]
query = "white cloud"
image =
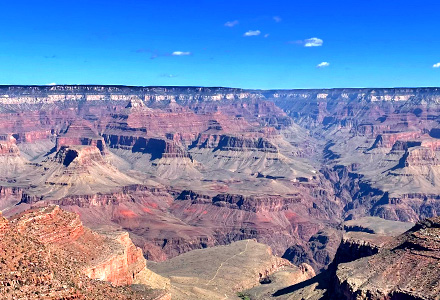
[
  {"x": 231, "y": 23},
  {"x": 180, "y": 53},
  {"x": 266, "y": 35},
  {"x": 252, "y": 33},
  {"x": 313, "y": 42},
  {"x": 53, "y": 83},
  {"x": 437, "y": 65},
  {"x": 323, "y": 64},
  {"x": 277, "y": 19}
]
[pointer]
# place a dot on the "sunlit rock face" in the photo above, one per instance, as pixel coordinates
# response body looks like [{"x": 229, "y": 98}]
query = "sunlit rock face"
[
  {"x": 47, "y": 252},
  {"x": 80, "y": 133}
]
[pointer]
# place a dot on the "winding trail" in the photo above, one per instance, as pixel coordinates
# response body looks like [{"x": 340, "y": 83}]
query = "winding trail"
[{"x": 221, "y": 265}]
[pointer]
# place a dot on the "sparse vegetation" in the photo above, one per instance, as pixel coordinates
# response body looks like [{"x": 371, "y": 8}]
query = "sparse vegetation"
[{"x": 244, "y": 296}]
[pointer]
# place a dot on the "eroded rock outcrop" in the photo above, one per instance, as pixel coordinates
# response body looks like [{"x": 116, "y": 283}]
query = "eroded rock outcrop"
[
  {"x": 406, "y": 268},
  {"x": 10, "y": 158},
  {"x": 47, "y": 252},
  {"x": 8, "y": 146},
  {"x": 80, "y": 133},
  {"x": 73, "y": 170}
]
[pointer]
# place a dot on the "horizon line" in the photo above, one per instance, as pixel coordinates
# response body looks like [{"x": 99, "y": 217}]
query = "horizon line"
[{"x": 209, "y": 87}]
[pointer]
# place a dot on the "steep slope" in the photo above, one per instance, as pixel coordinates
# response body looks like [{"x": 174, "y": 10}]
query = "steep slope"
[
  {"x": 11, "y": 160},
  {"x": 407, "y": 268},
  {"x": 361, "y": 238}
]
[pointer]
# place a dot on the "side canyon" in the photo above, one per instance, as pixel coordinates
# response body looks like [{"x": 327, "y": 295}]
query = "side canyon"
[{"x": 330, "y": 180}]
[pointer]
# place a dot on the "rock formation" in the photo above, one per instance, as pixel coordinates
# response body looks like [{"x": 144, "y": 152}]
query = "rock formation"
[
  {"x": 406, "y": 268},
  {"x": 48, "y": 253},
  {"x": 183, "y": 168},
  {"x": 361, "y": 241},
  {"x": 10, "y": 158}
]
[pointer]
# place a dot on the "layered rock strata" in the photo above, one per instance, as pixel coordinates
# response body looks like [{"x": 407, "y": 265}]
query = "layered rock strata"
[
  {"x": 47, "y": 253},
  {"x": 406, "y": 268}
]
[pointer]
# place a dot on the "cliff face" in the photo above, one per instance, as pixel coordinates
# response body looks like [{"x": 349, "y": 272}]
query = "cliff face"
[
  {"x": 125, "y": 268},
  {"x": 48, "y": 253},
  {"x": 361, "y": 240},
  {"x": 406, "y": 268},
  {"x": 8, "y": 146},
  {"x": 64, "y": 93},
  {"x": 235, "y": 143},
  {"x": 10, "y": 158},
  {"x": 278, "y": 166},
  {"x": 255, "y": 203},
  {"x": 80, "y": 133}
]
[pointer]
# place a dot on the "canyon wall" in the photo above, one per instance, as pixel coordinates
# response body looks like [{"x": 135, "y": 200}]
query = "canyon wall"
[{"x": 209, "y": 166}]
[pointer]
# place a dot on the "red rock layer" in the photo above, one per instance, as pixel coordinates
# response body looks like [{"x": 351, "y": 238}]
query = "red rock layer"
[
  {"x": 120, "y": 269},
  {"x": 80, "y": 133},
  {"x": 33, "y": 136},
  {"x": 387, "y": 140},
  {"x": 53, "y": 226},
  {"x": 46, "y": 253},
  {"x": 4, "y": 225}
]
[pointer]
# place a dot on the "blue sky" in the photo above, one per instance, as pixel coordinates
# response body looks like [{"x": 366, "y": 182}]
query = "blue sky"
[{"x": 248, "y": 44}]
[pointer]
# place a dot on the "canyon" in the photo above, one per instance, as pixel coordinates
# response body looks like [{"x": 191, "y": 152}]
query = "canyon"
[{"x": 187, "y": 169}]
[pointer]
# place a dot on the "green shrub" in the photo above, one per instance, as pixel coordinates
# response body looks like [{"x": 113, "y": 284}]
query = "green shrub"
[{"x": 244, "y": 296}]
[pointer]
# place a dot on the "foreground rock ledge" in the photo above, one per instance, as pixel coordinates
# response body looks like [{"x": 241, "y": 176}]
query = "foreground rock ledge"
[
  {"x": 47, "y": 253},
  {"x": 407, "y": 268}
]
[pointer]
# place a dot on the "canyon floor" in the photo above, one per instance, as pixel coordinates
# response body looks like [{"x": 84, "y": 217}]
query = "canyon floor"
[{"x": 194, "y": 176}]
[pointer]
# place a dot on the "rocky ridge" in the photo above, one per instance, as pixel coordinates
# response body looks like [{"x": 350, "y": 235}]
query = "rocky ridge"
[
  {"x": 48, "y": 253},
  {"x": 406, "y": 268},
  {"x": 362, "y": 241}
]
